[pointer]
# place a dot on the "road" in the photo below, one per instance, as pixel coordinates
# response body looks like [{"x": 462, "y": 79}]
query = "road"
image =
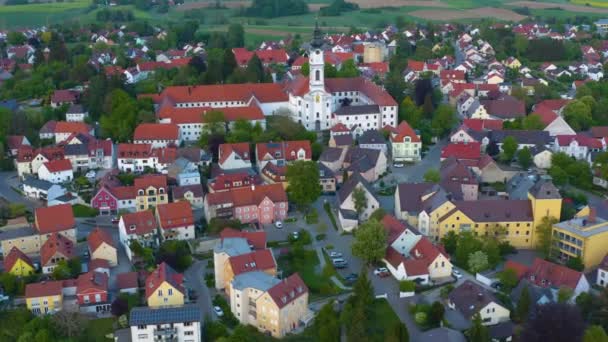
[
  {"x": 8, "y": 181},
  {"x": 194, "y": 279}
]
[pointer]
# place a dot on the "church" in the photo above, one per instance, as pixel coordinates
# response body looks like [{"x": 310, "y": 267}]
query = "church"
[
  {"x": 315, "y": 102},
  {"x": 319, "y": 103}
]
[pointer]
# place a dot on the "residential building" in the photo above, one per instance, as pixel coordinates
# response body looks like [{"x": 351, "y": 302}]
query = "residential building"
[
  {"x": 29, "y": 160},
  {"x": 64, "y": 96},
  {"x": 348, "y": 216},
  {"x": 157, "y": 135},
  {"x": 17, "y": 263},
  {"x": 578, "y": 146},
  {"x": 411, "y": 256},
  {"x": 192, "y": 194},
  {"x": 601, "y": 278},
  {"x": 45, "y": 297},
  {"x": 63, "y": 130},
  {"x": 282, "y": 153},
  {"x": 150, "y": 191},
  {"x": 184, "y": 172},
  {"x": 181, "y": 323},
  {"x": 234, "y": 156},
  {"x": 111, "y": 199},
  {"x": 14, "y": 142},
  {"x": 368, "y": 163},
  {"x": 405, "y": 143},
  {"x": 471, "y": 299},
  {"x": 175, "y": 221},
  {"x": 164, "y": 287},
  {"x": 141, "y": 227},
  {"x": 85, "y": 152},
  {"x": 76, "y": 113},
  {"x": 56, "y": 219},
  {"x": 101, "y": 246},
  {"x": 276, "y": 307},
  {"x": 55, "y": 249},
  {"x": 56, "y": 171},
  {"x": 373, "y": 139},
  {"x": 264, "y": 204},
  {"x": 227, "y": 181},
  {"x": 128, "y": 282},
  {"x": 465, "y": 151},
  {"x": 327, "y": 179},
  {"x": 584, "y": 236},
  {"x": 92, "y": 292},
  {"x": 139, "y": 157},
  {"x": 35, "y": 188}
]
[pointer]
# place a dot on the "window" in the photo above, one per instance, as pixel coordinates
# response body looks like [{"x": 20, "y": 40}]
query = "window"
[
  {"x": 188, "y": 333},
  {"x": 317, "y": 75}
]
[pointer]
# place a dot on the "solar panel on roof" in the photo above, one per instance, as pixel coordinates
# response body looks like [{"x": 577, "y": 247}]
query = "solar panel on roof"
[{"x": 145, "y": 316}]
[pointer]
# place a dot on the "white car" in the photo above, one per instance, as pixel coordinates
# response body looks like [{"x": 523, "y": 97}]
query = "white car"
[
  {"x": 218, "y": 311},
  {"x": 398, "y": 165},
  {"x": 381, "y": 271},
  {"x": 456, "y": 274},
  {"x": 90, "y": 175},
  {"x": 278, "y": 224},
  {"x": 335, "y": 255}
]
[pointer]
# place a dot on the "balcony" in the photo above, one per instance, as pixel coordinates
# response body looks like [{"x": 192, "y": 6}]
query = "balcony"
[
  {"x": 252, "y": 304},
  {"x": 253, "y": 314},
  {"x": 165, "y": 332}
]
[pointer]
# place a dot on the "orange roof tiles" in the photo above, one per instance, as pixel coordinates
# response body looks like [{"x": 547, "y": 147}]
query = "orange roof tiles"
[
  {"x": 58, "y": 165},
  {"x": 140, "y": 223},
  {"x": 256, "y": 238},
  {"x": 248, "y": 196},
  {"x": 263, "y": 92},
  {"x": 72, "y": 127},
  {"x": 404, "y": 130},
  {"x": 146, "y": 181},
  {"x": 154, "y": 131},
  {"x": 546, "y": 273},
  {"x": 241, "y": 149},
  {"x": 258, "y": 260},
  {"x": 44, "y": 289},
  {"x": 185, "y": 115},
  {"x": 287, "y": 150},
  {"x": 163, "y": 273},
  {"x": 98, "y": 237},
  {"x": 175, "y": 215},
  {"x": 54, "y": 219},
  {"x": 134, "y": 150},
  {"x": 56, "y": 244},
  {"x": 288, "y": 290}
]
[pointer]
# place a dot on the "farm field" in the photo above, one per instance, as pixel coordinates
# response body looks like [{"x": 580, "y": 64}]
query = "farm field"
[{"x": 564, "y": 6}]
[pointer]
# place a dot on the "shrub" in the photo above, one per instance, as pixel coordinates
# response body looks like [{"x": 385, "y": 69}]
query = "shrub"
[
  {"x": 420, "y": 318},
  {"x": 329, "y": 247},
  {"x": 320, "y": 237},
  {"x": 210, "y": 279},
  {"x": 407, "y": 286},
  {"x": 331, "y": 215}
]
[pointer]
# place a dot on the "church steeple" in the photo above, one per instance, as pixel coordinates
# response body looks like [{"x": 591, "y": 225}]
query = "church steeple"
[
  {"x": 316, "y": 61},
  {"x": 317, "y": 37}
]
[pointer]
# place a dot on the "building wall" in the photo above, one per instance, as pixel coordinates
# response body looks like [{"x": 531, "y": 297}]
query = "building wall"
[
  {"x": 27, "y": 244},
  {"x": 91, "y": 297},
  {"x": 277, "y": 321},
  {"x": 55, "y": 177},
  {"x": 106, "y": 252},
  {"x": 591, "y": 249},
  {"x": 372, "y": 204},
  {"x": 232, "y": 162},
  {"x": 219, "y": 263},
  {"x": 166, "y": 295},
  {"x": 145, "y": 201},
  {"x": 184, "y": 333},
  {"x": 441, "y": 267},
  {"x": 406, "y": 151},
  {"x": 159, "y": 143},
  {"x": 181, "y": 233},
  {"x": 44, "y": 305},
  {"x": 545, "y": 207},
  {"x": 21, "y": 269},
  {"x": 543, "y": 160},
  {"x": 493, "y": 314},
  {"x": 602, "y": 277}
]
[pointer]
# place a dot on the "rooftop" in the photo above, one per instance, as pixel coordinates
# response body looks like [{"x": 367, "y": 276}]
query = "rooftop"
[
  {"x": 584, "y": 226},
  {"x": 257, "y": 279},
  {"x": 152, "y": 316}
]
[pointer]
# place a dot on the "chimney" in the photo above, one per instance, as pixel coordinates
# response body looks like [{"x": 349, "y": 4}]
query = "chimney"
[
  {"x": 592, "y": 215},
  {"x": 252, "y": 187}
]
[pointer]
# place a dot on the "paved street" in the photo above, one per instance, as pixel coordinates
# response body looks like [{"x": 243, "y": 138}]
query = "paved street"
[
  {"x": 195, "y": 279},
  {"x": 8, "y": 181}
]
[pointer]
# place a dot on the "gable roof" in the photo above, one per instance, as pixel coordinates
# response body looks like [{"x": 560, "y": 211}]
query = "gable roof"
[
  {"x": 410, "y": 195},
  {"x": 92, "y": 282},
  {"x": 143, "y": 222},
  {"x": 483, "y": 124},
  {"x": 255, "y": 238},
  {"x": 287, "y": 150},
  {"x": 13, "y": 256},
  {"x": 258, "y": 260},
  {"x": 469, "y": 298},
  {"x": 44, "y": 289},
  {"x": 263, "y": 92},
  {"x": 175, "y": 215},
  {"x": 248, "y": 196},
  {"x": 393, "y": 227},
  {"x": 58, "y": 165},
  {"x": 545, "y": 274},
  {"x": 154, "y": 131},
  {"x": 240, "y": 149},
  {"x": 150, "y": 180},
  {"x": 349, "y": 186},
  {"x": 471, "y": 151},
  {"x": 494, "y": 210},
  {"x": 163, "y": 273},
  {"x": 127, "y": 280},
  {"x": 505, "y": 107},
  {"x": 97, "y": 237},
  {"x": 56, "y": 243},
  {"x": 288, "y": 290},
  {"x": 54, "y": 219},
  {"x": 72, "y": 127}
]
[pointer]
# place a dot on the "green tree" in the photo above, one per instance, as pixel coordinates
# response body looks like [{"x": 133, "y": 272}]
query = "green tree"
[
  {"x": 578, "y": 115},
  {"x": 467, "y": 244},
  {"x": 478, "y": 261},
  {"x": 544, "y": 235},
  {"x": 326, "y": 324},
  {"x": 348, "y": 69},
  {"x": 360, "y": 200},
  {"x": 575, "y": 264},
  {"x": 436, "y": 313},
  {"x": 595, "y": 333},
  {"x": 520, "y": 44},
  {"x": 410, "y": 113},
  {"x": 432, "y": 176},
  {"x": 304, "y": 187},
  {"x": 523, "y": 305},
  {"x": 305, "y": 69},
  {"x": 508, "y": 278},
  {"x": 533, "y": 122},
  {"x": 478, "y": 332},
  {"x": 449, "y": 242},
  {"x": 330, "y": 71},
  {"x": 564, "y": 294},
  {"x": 370, "y": 242},
  {"x": 175, "y": 253},
  {"x": 397, "y": 333},
  {"x": 236, "y": 35},
  {"x": 509, "y": 147},
  {"x": 524, "y": 158},
  {"x": 229, "y": 63},
  {"x": 443, "y": 120},
  {"x": 121, "y": 120}
]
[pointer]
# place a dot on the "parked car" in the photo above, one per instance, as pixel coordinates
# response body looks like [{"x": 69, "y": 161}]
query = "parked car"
[
  {"x": 496, "y": 285},
  {"x": 456, "y": 274},
  {"x": 278, "y": 224},
  {"x": 295, "y": 235},
  {"x": 339, "y": 263},
  {"x": 218, "y": 311},
  {"x": 335, "y": 255},
  {"x": 351, "y": 278},
  {"x": 381, "y": 272},
  {"x": 90, "y": 175},
  {"x": 115, "y": 220},
  {"x": 398, "y": 165}
]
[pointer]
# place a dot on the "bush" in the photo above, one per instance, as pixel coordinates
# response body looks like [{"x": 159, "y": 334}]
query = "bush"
[
  {"x": 217, "y": 224},
  {"x": 303, "y": 239},
  {"x": 330, "y": 214},
  {"x": 210, "y": 279},
  {"x": 445, "y": 291},
  {"x": 312, "y": 217},
  {"x": 320, "y": 237},
  {"x": 407, "y": 286},
  {"x": 81, "y": 210},
  {"x": 420, "y": 318},
  {"x": 228, "y": 317},
  {"x": 329, "y": 247}
]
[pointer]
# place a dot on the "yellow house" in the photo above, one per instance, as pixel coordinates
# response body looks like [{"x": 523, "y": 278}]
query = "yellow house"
[
  {"x": 164, "y": 287},
  {"x": 584, "y": 236},
  {"x": 512, "y": 63},
  {"x": 150, "y": 191},
  {"x": 515, "y": 220},
  {"x": 259, "y": 260},
  {"x": 19, "y": 264},
  {"x": 44, "y": 297},
  {"x": 101, "y": 246}
]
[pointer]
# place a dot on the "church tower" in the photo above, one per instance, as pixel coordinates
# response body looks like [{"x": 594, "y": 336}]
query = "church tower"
[{"x": 316, "y": 61}]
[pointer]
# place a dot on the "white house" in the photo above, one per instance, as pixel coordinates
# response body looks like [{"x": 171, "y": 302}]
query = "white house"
[
  {"x": 234, "y": 156},
  {"x": 76, "y": 113},
  {"x": 471, "y": 299},
  {"x": 578, "y": 146},
  {"x": 158, "y": 135},
  {"x": 602, "y": 273},
  {"x": 140, "y": 226},
  {"x": 347, "y": 214},
  {"x": 40, "y": 189},
  {"x": 181, "y": 323},
  {"x": 405, "y": 143},
  {"x": 56, "y": 171}
]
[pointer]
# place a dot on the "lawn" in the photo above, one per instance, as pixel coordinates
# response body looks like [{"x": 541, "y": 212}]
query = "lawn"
[
  {"x": 382, "y": 319},
  {"x": 97, "y": 329},
  {"x": 81, "y": 210},
  {"x": 590, "y": 3},
  {"x": 305, "y": 262}
]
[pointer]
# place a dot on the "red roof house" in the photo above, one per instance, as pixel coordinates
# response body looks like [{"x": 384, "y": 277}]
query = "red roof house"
[
  {"x": 468, "y": 151},
  {"x": 58, "y": 218}
]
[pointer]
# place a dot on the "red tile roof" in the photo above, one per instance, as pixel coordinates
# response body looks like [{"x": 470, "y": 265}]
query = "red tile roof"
[
  {"x": 519, "y": 269},
  {"x": 288, "y": 290},
  {"x": 127, "y": 280},
  {"x": 58, "y": 165},
  {"x": 483, "y": 124},
  {"x": 246, "y": 196},
  {"x": 185, "y": 115},
  {"x": 92, "y": 282},
  {"x": 393, "y": 227},
  {"x": 143, "y": 222},
  {"x": 15, "y": 141},
  {"x": 545, "y": 273},
  {"x": 56, "y": 244},
  {"x": 257, "y": 238},
  {"x": 97, "y": 237},
  {"x": 146, "y": 181},
  {"x": 258, "y": 260},
  {"x": 175, "y": 215},
  {"x": 11, "y": 258},
  {"x": 263, "y": 92},
  {"x": 54, "y": 219},
  {"x": 27, "y": 153},
  {"x": 122, "y": 192},
  {"x": 154, "y": 131},
  {"x": 234, "y": 180},
  {"x": 44, "y": 289},
  {"x": 599, "y": 131},
  {"x": 64, "y": 95},
  {"x": 299, "y": 87},
  {"x": 72, "y": 127},
  {"x": 241, "y": 149},
  {"x": 404, "y": 130},
  {"x": 340, "y": 127},
  {"x": 287, "y": 150},
  {"x": 546, "y": 115},
  {"x": 139, "y": 151},
  {"x": 161, "y": 274},
  {"x": 99, "y": 263},
  {"x": 471, "y": 151},
  {"x": 415, "y": 65},
  {"x": 452, "y": 75},
  {"x": 242, "y": 56},
  {"x": 583, "y": 140}
]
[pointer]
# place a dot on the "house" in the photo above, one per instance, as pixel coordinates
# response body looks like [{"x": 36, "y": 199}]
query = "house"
[
  {"x": 56, "y": 219},
  {"x": 541, "y": 156},
  {"x": 524, "y": 138},
  {"x": 14, "y": 142},
  {"x": 85, "y": 152},
  {"x": 333, "y": 158},
  {"x": 17, "y": 263},
  {"x": 184, "y": 323},
  {"x": 64, "y": 129},
  {"x": 175, "y": 221},
  {"x": 550, "y": 114},
  {"x": 601, "y": 278},
  {"x": 348, "y": 216},
  {"x": 56, "y": 248},
  {"x": 257, "y": 260},
  {"x": 92, "y": 292},
  {"x": 111, "y": 199},
  {"x": 164, "y": 287},
  {"x": 505, "y": 107},
  {"x": 231, "y": 245},
  {"x": 264, "y": 204},
  {"x": 128, "y": 282},
  {"x": 35, "y": 188},
  {"x": 464, "y": 151},
  {"x": 226, "y": 181},
  {"x": 99, "y": 265},
  {"x": 275, "y": 307},
  {"x": 56, "y": 171},
  {"x": 190, "y": 193},
  {"x": 184, "y": 172},
  {"x": 458, "y": 179},
  {"x": 272, "y": 158},
  {"x": 150, "y": 191},
  {"x": 141, "y": 227},
  {"x": 513, "y": 63},
  {"x": 470, "y": 299},
  {"x": 327, "y": 179},
  {"x": 45, "y": 297},
  {"x": 368, "y": 163},
  {"x": 157, "y": 135},
  {"x": 234, "y": 156},
  {"x": 582, "y": 236},
  {"x": 76, "y": 113},
  {"x": 62, "y": 97},
  {"x": 373, "y": 139},
  {"x": 545, "y": 274},
  {"x": 101, "y": 246},
  {"x": 411, "y": 256},
  {"x": 578, "y": 146}
]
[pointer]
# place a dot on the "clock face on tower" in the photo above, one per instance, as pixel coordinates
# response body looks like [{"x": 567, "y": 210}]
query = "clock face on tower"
[{"x": 317, "y": 99}]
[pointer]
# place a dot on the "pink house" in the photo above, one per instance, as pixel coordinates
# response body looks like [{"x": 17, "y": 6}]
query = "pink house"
[
  {"x": 264, "y": 204},
  {"x": 110, "y": 200}
]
